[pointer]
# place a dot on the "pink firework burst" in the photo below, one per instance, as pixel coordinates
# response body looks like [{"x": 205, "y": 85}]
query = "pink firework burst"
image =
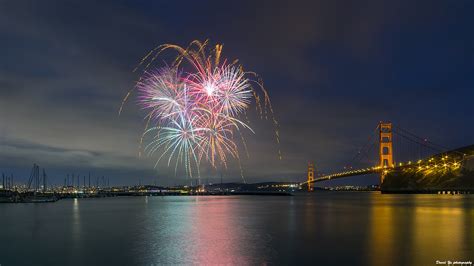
[{"x": 194, "y": 106}]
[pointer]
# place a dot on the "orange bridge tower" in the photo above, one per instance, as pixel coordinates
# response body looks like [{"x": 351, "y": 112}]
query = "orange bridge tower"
[
  {"x": 310, "y": 176},
  {"x": 386, "y": 147}
]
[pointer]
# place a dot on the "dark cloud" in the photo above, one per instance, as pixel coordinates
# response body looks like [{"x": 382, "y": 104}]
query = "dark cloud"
[{"x": 333, "y": 70}]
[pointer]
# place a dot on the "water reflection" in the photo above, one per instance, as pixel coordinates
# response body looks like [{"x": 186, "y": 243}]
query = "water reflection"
[
  {"x": 382, "y": 234},
  {"x": 199, "y": 230},
  {"x": 441, "y": 229},
  {"x": 319, "y": 228},
  {"x": 418, "y": 229},
  {"x": 76, "y": 219},
  {"x": 217, "y": 235},
  {"x": 76, "y": 235}
]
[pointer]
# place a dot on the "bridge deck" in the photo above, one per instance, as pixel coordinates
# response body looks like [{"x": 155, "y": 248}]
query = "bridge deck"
[{"x": 452, "y": 157}]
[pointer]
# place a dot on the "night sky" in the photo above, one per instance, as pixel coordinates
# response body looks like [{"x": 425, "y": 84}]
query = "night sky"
[{"x": 333, "y": 70}]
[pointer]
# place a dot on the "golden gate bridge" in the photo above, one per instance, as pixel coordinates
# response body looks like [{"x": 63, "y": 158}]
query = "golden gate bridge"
[{"x": 440, "y": 158}]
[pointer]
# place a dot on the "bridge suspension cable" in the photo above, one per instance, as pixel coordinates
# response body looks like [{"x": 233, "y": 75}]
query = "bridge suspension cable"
[
  {"x": 363, "y": 152},
  {"x": 422, "y": 141}
]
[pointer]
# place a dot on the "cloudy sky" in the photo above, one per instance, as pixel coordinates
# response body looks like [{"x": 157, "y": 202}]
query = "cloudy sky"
[{"x": 333, "y": 69}]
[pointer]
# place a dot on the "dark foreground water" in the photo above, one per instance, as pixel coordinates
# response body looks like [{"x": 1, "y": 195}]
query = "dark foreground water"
[{"x": 345, "y": 228}]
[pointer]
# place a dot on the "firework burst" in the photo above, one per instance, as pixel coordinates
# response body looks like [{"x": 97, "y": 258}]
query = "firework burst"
[{"x": 194, "y": 106}]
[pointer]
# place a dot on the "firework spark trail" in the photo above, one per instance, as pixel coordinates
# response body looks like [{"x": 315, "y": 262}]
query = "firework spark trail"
[{"x": 194, "y": 104}]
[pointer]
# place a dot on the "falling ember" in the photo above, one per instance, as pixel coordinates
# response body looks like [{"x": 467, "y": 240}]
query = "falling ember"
[{"x": 193, "y": 106}]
